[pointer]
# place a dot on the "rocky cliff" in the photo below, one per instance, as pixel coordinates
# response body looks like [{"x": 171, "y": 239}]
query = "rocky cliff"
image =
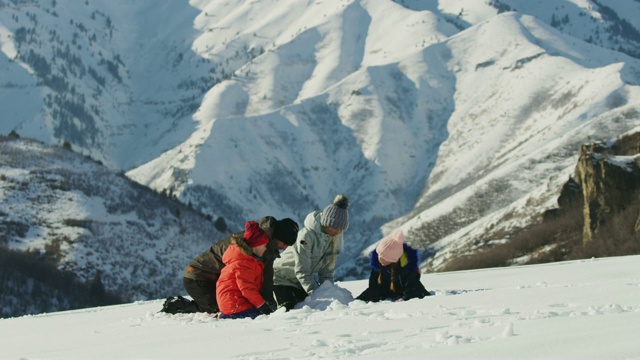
[{"x": 608, "y": 175}]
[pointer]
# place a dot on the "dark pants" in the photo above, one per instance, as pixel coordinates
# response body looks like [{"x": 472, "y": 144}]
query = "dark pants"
[
  {"x": 203, "y": 293},
  {"x": 288, "y": 296},
  {"x": 252, "y": 313}
]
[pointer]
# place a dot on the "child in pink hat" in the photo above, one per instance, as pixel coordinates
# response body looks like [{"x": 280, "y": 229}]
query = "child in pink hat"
[{"x": 394, "y": 271}]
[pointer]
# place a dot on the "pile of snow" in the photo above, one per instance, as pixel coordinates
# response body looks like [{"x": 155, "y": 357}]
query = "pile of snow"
[
  {"x": 588, "y": 308},
  {"x": 327, "y": 296}
]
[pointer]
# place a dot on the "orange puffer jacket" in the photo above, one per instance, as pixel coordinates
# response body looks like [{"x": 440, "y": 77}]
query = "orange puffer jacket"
[{"x": 238, "y": 288}]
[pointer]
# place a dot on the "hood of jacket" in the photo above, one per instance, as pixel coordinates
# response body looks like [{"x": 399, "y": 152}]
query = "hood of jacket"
[
  {"x": 314, "y": 253},
  {"x": 312, "y": 222},
  {"x": 241, "y": 249}
]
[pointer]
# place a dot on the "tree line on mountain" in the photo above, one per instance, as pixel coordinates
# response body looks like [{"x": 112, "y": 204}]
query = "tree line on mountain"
[{"x": 30, "y": 283}]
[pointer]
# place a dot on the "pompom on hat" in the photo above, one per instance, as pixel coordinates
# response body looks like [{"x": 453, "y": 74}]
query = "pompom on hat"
[
  {"x": 286, "y": 230},
  {"x": 390, "y": 249},
  {"x": 254, "y": 235},
  {"x": 336, "y": 215}
]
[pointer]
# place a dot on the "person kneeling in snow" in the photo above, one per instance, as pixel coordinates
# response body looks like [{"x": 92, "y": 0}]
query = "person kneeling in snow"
[
  {"x": 238, "y": 288},
  {"x": 311, "y": 261},
  {"x": 394, "y": 272},
  {"x": 202, "y": 273}
]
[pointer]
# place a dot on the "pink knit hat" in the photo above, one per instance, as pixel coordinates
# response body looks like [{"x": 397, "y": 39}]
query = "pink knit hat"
[{"x": 390, "y": 248}]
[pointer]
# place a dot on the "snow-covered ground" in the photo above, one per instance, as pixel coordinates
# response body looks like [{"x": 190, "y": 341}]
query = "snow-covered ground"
[{"x": 580, "y": 309}]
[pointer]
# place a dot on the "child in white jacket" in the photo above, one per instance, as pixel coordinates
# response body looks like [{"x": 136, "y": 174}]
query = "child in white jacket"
[{"x": 311, "y": 261}]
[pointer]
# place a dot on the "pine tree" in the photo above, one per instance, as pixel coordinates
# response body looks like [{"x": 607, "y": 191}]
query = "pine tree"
[{"x": 96, "y": 290}]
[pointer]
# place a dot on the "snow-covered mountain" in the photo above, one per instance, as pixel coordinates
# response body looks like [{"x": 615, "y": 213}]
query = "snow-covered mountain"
[
  {"x": 92, "y": 221},
  {"x": 457, "y": 121}
]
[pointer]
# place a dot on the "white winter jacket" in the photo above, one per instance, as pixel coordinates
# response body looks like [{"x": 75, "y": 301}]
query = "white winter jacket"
[{"x": 311, "y": 260}]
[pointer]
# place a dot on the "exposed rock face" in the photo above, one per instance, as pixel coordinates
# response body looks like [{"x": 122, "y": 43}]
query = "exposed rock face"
[
  {"x": 571, "y": 195},
  {"x": 609, "y": 177}
]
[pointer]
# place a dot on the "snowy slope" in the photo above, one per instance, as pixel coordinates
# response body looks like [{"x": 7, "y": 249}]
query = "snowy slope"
[
  {"x": 89, "y": 220},
  {"x": 580, "y": 309},
  {"x": 455, "y": 120},
  {"x": 104, "y": 93}
]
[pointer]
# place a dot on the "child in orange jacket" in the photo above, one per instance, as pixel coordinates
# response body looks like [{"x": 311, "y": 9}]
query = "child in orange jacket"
[{"x": 238, "y": 288}]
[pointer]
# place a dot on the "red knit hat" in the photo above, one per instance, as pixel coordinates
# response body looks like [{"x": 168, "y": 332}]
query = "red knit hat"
[
  {"x": 390, "y": 248},
  {"x": 254, "y": 235}
]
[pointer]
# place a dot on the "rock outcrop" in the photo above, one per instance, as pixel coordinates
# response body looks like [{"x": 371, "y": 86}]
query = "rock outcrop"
[{"x": 609, "y": 176}]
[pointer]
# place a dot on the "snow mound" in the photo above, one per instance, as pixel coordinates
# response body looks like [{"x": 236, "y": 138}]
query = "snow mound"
[{"x": 327, "y": 296}]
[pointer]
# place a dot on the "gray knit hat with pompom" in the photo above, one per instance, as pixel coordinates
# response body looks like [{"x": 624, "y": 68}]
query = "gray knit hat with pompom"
[{"x": 336, "y": 215}]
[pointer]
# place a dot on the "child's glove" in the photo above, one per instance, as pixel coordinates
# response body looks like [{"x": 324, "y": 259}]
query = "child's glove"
[{"x": 267, "y": 308}]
